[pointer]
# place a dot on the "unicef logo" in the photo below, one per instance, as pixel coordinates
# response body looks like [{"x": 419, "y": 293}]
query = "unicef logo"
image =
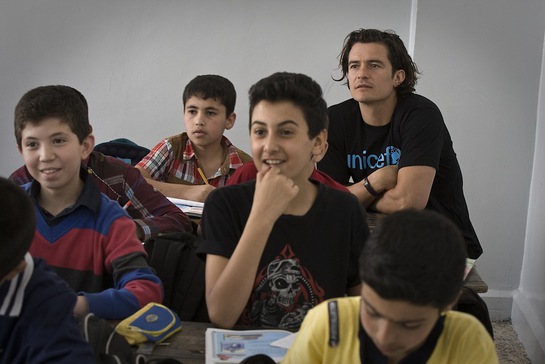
[{"x": 394, "y": 153}]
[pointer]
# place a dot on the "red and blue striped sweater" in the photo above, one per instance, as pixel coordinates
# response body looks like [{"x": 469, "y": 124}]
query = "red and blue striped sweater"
[{"x": 93, "y": 246}]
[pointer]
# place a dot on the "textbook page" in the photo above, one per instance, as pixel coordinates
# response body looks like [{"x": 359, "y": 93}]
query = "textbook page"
[
  {"x": 190, "y": 208},
  {"x": 233, "y": 346}
]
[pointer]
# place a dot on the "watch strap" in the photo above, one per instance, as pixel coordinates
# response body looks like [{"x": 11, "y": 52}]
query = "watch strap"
[{"x": 370, "y": 188}]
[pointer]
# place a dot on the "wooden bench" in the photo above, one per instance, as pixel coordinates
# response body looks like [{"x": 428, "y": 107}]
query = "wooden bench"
[{"x": 475, "y": 282}]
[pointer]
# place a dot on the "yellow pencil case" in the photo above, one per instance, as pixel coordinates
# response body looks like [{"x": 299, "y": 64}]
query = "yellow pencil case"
[{"x": 152, "y": 323}]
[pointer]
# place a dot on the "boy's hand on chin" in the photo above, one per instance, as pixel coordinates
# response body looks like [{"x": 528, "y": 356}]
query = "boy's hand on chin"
[{"x": 273, "y": 192}]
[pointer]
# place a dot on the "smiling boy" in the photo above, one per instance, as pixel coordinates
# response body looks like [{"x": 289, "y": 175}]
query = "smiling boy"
[
  {"x": 151, "y": 211},
  {"x": 277, "y": 246},
  {"x": 412, "y": 271},
  {"x": 174, "y": 165},
  {"x": 87, "y": 238}
]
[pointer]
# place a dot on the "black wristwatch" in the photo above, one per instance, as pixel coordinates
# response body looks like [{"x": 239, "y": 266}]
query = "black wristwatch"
[{"x": 370, "y": 188}]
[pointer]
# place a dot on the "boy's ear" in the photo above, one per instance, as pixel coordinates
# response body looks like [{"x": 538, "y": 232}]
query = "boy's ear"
[
  {"x": 87, "y": 146},
  {"x": 320, "y": 146},
  {"x": 230, "y": 122}
]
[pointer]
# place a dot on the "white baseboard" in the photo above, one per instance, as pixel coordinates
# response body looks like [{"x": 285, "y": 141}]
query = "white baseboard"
[
  {"x": 529, "y": 327},
  {"x": 500, "y": 304},
  {"x": 515, "y": 305}
]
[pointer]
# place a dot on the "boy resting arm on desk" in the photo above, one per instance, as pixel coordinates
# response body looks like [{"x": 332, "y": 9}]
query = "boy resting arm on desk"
[
  {"x": 150, "y": 210},
  {"x": 192, "y": 164},
  {"x": 277, "y": 246},
  {"x": 86, "y": 237}
]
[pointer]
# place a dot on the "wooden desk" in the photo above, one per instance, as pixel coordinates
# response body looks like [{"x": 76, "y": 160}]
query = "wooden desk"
[{"x": 187, "y": 345}]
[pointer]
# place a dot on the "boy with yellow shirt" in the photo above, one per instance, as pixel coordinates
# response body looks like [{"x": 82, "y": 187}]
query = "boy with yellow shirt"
[{"x": 411, "y": 270}]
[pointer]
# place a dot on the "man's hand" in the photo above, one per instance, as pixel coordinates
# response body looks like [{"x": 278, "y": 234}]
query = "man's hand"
[
  {"x": 412, "y": 190},
  {"x": 384, "y": 179},
  {"x": 381, "y": 180}
]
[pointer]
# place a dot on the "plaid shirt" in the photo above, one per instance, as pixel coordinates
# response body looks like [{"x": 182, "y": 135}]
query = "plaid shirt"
[
  {"x": 173, "y": 160},
  {"x": 121, "y": 182}
]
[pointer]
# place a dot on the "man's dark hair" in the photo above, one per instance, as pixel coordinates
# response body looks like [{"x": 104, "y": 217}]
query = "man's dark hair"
[
  {"x": 54, "y": 101},
  {"x": 415, "y": 256},
  {"x": 297, "y": 88},
  {"x": 17, "y": 225},
  {"x": 212, "y": 86},
  {"x": 397, "y": 55}
]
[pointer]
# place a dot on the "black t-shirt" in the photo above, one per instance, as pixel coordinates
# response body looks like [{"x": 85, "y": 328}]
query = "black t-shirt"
[
  {"x": 307, "y": 259},
  {"x": 416, "y": 136}
]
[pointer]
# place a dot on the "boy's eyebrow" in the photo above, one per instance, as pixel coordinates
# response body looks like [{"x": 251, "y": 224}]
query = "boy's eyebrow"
[
  {"x": 54, "y": 135},
  {"x": 282, "y": 123},
  {"x": 389, "y": 319},
  {"x": 60, "y": 133},
  {"x": 369, "y": 305},
  {"x": 193, "y": 107}
]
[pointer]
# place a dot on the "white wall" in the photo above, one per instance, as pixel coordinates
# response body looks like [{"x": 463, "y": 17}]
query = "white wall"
[
  {"x": 529, "y": 303},
  {"x": 480, "y": 61},
  {"x": 132, "y": 58}
]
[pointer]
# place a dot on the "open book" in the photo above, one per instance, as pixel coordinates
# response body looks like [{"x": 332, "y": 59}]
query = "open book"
[
  {"x": 233, "y": 346},
  {"x": 190, "y": 208}
]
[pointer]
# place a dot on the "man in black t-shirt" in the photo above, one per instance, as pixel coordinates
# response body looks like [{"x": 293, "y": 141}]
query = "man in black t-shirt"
[{"x": 389, "y": 145}]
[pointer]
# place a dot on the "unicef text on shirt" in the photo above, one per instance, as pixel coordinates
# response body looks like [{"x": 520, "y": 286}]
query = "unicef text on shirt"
[{"x": 373, "y": 161}]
